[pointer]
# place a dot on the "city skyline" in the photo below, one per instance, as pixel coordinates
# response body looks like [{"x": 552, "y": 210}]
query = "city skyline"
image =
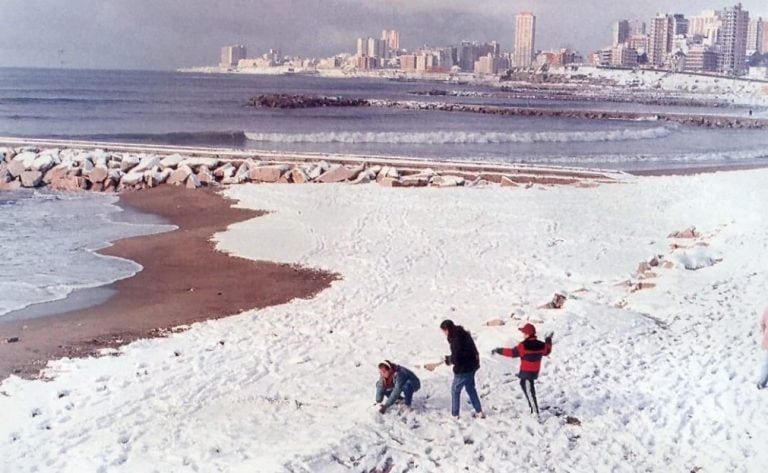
[{"x": 145, "y": 35}]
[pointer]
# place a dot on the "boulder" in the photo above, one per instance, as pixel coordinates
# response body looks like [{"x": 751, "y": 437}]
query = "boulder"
[
  {"x": 241, "y": 175},
  {"x": 180, "y": 175},
  {"x": 26, "y": 159},
  {"x": 388, "y": 182},
  {"x": 415, "y": 180},
  {"x": 10, "y": 186},
  {"x": 131, "y": 179},
  {"x": 43, "y": 163},
  {"x": 316, "y": 171},
  {"x": 364, "y": 177},
  {"x": 205, "y": 176},
  {"x": 447, "y": 181},
  {"x": 147, "y": 163},
  {"x": 98, "y": 174},
  {"x": 193, "y": 182},
  {"x": 171, "y": 161},
  {"x": 507, "y": 182},
  {"x": 114, "y": 164},
  {"x": 156, "y": 176},
  {"x": 269, "y": 173},
  {"x": 5, "y": 176},
  {"x": 31, "y": 178},
  {"x": 339, "y": 173},
  {"x": 15, "y": 168},
  {"x": 225, "y": 170},
  {"x": 57, "y": 171},
  {"x": 195, "y": 163},
  {"x": 689, "y": 232},
  {"x": 388, "y": 171},
  {"x": 129, "y": 162},
  {"x": 299, "y": 176}
]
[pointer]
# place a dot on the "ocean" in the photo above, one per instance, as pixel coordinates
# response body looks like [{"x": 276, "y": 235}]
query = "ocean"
[
  {"x": 48, "y": 239},
  {"x": 210, "y": 110}
]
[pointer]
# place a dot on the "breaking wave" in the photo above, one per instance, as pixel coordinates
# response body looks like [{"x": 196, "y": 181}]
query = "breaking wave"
[{"x": 459, "y": 137}]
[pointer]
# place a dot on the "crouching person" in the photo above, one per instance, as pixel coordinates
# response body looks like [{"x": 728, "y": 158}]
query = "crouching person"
[
  {"x": 530, "y": 351},
  {"x": 393, "y": 382}
]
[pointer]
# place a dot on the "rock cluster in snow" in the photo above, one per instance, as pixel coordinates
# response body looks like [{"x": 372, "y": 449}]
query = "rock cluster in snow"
[{"x": 106, "y": 171}]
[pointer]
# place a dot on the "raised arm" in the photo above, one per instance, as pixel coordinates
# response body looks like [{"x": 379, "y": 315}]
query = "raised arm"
[{"x": 510, "y": 352}]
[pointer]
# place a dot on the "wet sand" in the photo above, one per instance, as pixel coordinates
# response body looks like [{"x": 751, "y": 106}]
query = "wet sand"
[{"x": 184, "y": 280}]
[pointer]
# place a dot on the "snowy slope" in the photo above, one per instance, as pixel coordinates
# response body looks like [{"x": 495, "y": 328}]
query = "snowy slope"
[{"x": 660, "y": 379}]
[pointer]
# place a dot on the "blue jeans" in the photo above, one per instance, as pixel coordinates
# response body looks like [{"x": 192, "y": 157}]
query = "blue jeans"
[
  {"x": 464, "y": 381},
  {"x": 408, "y": 390},
  {"x": 763, "y": 381}
]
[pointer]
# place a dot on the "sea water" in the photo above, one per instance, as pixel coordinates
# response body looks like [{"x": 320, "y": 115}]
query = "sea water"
[{"x": 49, "y": 242}]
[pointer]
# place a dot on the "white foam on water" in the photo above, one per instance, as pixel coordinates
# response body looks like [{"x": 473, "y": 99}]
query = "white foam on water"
[
  {"x": 49, "y": 242},
  {"x": 462, "y": 137}
]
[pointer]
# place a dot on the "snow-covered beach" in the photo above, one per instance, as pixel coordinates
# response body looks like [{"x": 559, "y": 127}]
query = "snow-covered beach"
[{"x": 657, "y": 379}]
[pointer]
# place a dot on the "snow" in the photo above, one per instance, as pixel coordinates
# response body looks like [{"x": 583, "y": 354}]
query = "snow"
[{"x": 661, "y": 379}]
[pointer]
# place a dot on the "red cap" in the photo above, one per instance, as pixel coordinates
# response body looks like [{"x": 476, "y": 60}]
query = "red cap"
[{"x": 528, "y": 329}]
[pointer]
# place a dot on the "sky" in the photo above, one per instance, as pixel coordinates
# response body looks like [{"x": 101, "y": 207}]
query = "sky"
[{"x": 168, "y": 34}]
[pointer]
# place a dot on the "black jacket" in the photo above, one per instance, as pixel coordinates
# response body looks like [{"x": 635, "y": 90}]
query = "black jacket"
[{"x": 464, "y": 356}]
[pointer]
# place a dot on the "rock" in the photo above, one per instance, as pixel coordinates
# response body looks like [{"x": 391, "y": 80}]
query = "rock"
[
  {"x": 5, "y": 176},
  {"x": 155, "y": 177},
  {"x": 388, "y": 171},
  {"x": 224, "y": 171},
  {"x": 129, "y": 162},
  {"x": 114, "y": 164},
  {"x": 43, "y": 163},
  {"x": 195, "y": 163},
  {"x": 68, "y": 183},
  {"x": 15, "y": 168},
  {"x": 447, "y": 181},
  {"x": 12, "y": 340},
  {"x": 316, "y": 171},
  {"x": 171, "y": 161},
  {"x": 10, "y": 186},
  {"x": 26, "y": 159},
  {"x": 147, "y": 163},
  {"x": 689, "y": 232},
  {"x": 572, "y": 420},
  {"x": 299, "y": 176},
  {"x": 495, "y": 323},
  {"x": 414, "y": 180},
  {"x": 131, "y": 179},
  {"x": 339, "y": 173},
  {"x": 56, "y": 172},
  {"x": 241, "y": 175},
  {"x": 557, "y": 302},
  {"x": 654, "y": 261},
  {"x": 364, "y": 177},
  {"x": 269, "y": 173},
  {"x": 193, "y": 182},
  {"x": 643, "y": 267},
  {"x": 205, "y": 176},
  {"x": 87, "y": 166},
  {"x": 180, "y": 175},
  {"x": 507, "y": 182},
  {"x": 98, "y": 174},
  {"x": 388, "y": 182},
  {"x": 31, "y": 178}
]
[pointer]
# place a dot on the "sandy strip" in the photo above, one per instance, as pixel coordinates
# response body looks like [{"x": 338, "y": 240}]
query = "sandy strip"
[{"x": 184, "y": 281}]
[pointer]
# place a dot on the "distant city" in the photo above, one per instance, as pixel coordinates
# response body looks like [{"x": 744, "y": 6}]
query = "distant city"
[{"x": 719, "y": 42}]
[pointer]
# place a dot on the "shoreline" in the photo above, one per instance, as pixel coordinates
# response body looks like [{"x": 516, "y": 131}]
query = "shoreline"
[{"x": 184, "y": 280}]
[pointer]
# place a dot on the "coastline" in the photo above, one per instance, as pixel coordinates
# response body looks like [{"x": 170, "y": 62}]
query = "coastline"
[{"x": 184, "y": 280}]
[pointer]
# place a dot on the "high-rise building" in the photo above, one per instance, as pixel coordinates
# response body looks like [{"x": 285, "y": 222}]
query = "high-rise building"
[
  {"x": 733, "y": 40},
  {"x": 362, "y": 47},
  {"x": 701, "y": 59},
  {"x": 525, "y": 36},
  {"x": 392, "y": 39},
  {"x": 621, "y": 32},
  {"x": 680, "y": 24},
  {"x": 376, "y": 48},
  {"x": 763, "y": 39},
  {"x": 637, "y": 28},
  {"x": 703, "y": 23},
  {"x": 231, "y": 55},
  {"x": 621, "y": 55},
  {"x": 754, "y": 35},
  {"x": 660, "y": 39}
]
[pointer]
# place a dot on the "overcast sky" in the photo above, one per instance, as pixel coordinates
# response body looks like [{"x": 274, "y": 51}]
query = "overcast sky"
[{"x": 166, "y": 34}]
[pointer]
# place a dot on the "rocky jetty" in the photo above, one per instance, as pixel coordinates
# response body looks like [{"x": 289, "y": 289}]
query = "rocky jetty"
[
  {"x": 285, "y": 101},
  {"x": 104, "y": 170}
]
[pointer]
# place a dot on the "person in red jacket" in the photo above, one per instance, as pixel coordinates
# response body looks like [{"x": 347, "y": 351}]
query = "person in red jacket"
[{"x": 530, "y": 351}]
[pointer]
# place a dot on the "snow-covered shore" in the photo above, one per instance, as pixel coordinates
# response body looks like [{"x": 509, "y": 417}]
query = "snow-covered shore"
[{"x": 660, "y": 379}]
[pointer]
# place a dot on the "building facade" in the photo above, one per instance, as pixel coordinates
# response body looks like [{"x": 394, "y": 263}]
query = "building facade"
[
  {"x": 231, "y": 55},
  {"x": 733, "y": 40},
  {"x": 660, "y": 39},
  {"x": 621, "y": 32},
  {"x": 525, "y": 36}
]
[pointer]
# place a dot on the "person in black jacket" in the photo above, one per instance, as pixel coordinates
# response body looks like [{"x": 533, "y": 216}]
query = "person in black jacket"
[{"x": 466, "y": 361}]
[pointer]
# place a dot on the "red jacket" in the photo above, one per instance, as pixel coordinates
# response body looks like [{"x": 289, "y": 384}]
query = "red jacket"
[{"x": 530, "y": 352}]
